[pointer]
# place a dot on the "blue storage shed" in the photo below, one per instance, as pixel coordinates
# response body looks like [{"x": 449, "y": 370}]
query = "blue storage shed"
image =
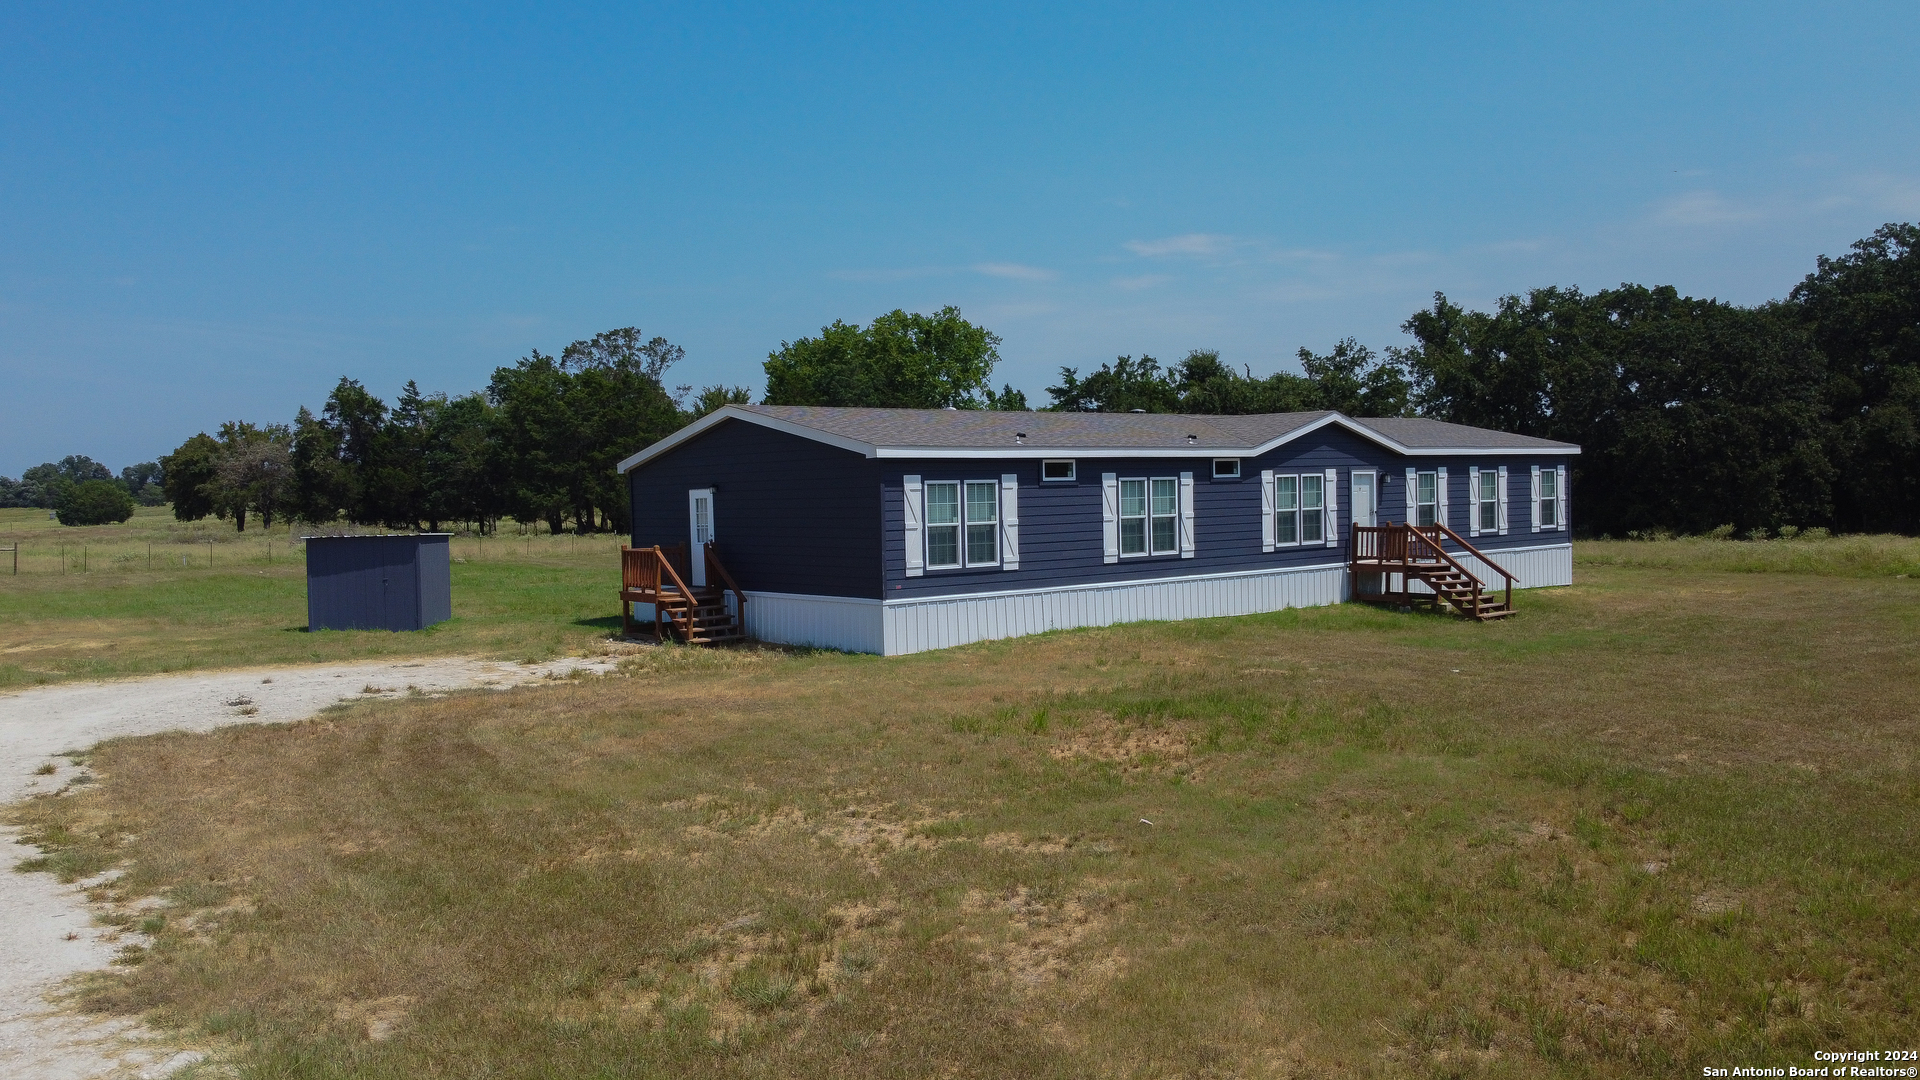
[
  {"x": 378, "y": 582},
  {"x": 897, "y": 530}
]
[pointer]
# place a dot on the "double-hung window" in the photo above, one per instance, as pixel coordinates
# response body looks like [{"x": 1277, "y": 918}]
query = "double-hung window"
[
  {"x": 1299, "y": 507},
  {"x": 1313, "y": 505},
  {"x": 1286, "y": 510},
  {"x": 983, "y": 517},
  {"x": 1549, "y": 498},
  {"x": 960, "y": 529},
  {"x": 943, "y": 525},
  {"x": 1487, "y": 500},
  {"x": 1149, "y": 516},
  {"x": 1426, "y": 498}
]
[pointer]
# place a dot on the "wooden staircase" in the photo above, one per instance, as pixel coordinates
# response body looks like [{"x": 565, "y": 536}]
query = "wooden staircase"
[
  {"x": 1378, "y": 553},
  {"x": 695, "y": 615}
]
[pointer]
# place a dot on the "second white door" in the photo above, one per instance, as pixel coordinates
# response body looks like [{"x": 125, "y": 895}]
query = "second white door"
[
  {"x": 1366, "y": 504},
  {"x": 700, "y": 532}
]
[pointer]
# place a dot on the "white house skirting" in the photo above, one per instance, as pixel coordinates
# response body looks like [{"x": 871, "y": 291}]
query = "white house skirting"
[
  {"x": 1535, "y": 567},
  {"x": 941, "y": 622},
  {"x": 828, "y": 622},
  {"x": 906, "y": 626}
]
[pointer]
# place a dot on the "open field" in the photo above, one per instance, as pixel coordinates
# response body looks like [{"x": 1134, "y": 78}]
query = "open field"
[
  {"x": 1658, "y": 821},
  {"x": 514, "y": 597}
]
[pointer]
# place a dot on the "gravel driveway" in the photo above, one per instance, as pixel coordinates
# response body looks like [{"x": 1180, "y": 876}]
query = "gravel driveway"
[{"x": 46, "y": 930}]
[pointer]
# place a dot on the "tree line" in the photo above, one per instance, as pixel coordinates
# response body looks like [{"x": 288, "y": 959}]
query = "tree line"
[
  {"x": 539, "y": 444},
  {"x": 81, "y": 491},
  {"x": 1691, "y": 413}
]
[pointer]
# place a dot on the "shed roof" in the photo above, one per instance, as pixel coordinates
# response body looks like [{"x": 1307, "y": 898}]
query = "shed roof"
[{"x": 967, "y": 433}]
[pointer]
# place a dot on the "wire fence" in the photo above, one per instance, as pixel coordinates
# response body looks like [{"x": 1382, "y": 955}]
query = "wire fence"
[{"x": 197, "y": 551}]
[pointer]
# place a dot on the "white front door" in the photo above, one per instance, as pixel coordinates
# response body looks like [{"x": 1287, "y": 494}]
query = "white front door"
[
  {"x": 700, "y": 532},
  {"x": 1366, "y": 501}
]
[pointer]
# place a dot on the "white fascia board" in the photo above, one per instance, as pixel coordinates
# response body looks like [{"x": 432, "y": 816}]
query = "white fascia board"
[{"x": 728, "y": 412}]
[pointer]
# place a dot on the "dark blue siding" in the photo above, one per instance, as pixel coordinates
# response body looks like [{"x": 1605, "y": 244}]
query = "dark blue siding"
[
  {"x": 1061, "y": 527},
  {"x": 378, "y": 582},
  {"x": 1393, "y": 498},
  {"x": 790, "y": 515}
]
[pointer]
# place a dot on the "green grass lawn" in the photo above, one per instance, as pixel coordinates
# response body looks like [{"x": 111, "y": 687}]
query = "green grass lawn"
[
  {"x": 1663, "y": 820},
  {"x": 513, "y": 598}
]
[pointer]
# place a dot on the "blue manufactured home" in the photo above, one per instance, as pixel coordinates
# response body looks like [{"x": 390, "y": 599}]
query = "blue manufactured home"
[{"x": 898, "y": 530}]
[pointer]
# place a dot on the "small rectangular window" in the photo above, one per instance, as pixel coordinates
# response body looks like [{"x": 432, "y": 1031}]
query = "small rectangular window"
[
  {"x": 983, "y": 503},
  {"x": 1549, "y": 498},
  {"x": 1312, "y": 508},
  {"x": 1426, "y": 499},
  {"x": 1226, "y": 467},
  {"x": 1056, "y": 470},
  {"x": 1133, "y": 517},
  {"x": 1166, "y": 507},
  {"x": 1489, "y": 498},
  {"x": 1286, "y": 502},
  {"x": 943, "y": 525}
]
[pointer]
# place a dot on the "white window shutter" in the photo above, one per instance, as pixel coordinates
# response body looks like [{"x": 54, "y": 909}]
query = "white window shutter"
[
  {"x": 1266, "y": 510},
  {"x": 1500, "y": 494},
  {"x": 1186, "y": 515},
  {"x": 1533, "y": 500},
  {"x": 916, "y": 547},
  {"x": 1010, "y": 521},
  {"x": 1330, "y": 501},
  {"x": 1110, "y": 516},
  {"x": 1413, "y": 496},
  {"x": 1441, "y": 508},
  {"x": 1473, "y": 489},
  {"x": 1560, "y": 489}
]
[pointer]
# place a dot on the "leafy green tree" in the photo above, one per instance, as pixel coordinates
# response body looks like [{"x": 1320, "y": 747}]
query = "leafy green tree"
[
  {"x": 1863, "y": 311},
  {"x": 143, "y": 482},
  {"x": 253, "y": 472},
  {"x": 1690, "y": 413},
  {"x": 900, "y": 360},
  {"x": 712, "y": 398},
  {"x": 1352, "y": 379},
  {"x": 188, "y": 477},
  {"x": 1126, "y": 385},
  {"x": 457, "y": 464},
  {"x": 96, "y": 502}
]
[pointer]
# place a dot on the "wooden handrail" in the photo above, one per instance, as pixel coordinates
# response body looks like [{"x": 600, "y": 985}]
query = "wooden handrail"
[
  {"x": 714, "y": 564},
  {"x": 672, "y": 573}
]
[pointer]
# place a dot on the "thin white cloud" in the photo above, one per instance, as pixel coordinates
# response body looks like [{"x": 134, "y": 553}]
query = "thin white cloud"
[
  {"x": 1891, "y": 194},
  {"x": 1188, "y": 244},
  {"x": 1705, "y": 208},
  {"x": 1014, "y": 271},
  {"x": 884, "y": 276}
]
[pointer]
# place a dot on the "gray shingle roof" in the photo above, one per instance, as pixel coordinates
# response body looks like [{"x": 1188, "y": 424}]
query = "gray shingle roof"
[
  {"x": 978, "y": 433},
  {"x": 958, "y": 429},
  {"x": 1419, "y": 433}
]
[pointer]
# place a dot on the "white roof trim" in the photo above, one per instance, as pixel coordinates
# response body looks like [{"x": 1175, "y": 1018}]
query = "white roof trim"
[{"x": 1037, "y": 450}]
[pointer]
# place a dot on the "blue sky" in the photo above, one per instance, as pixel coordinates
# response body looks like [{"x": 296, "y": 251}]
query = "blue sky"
[{"x": 212, "y": 213}]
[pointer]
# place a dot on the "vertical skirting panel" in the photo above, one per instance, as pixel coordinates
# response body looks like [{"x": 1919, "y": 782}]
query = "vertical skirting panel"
[
  {"x": 826, "y": 622},
  {"x": 939, "y": 623},
  {"x": 910, "y": 626},
  {"x": 1535, "y": 567}
]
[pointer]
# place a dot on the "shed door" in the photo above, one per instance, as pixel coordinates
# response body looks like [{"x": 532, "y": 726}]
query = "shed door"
[
  {"x": 700, "y": 532},
  {"x": 1366, "y": 502}
]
